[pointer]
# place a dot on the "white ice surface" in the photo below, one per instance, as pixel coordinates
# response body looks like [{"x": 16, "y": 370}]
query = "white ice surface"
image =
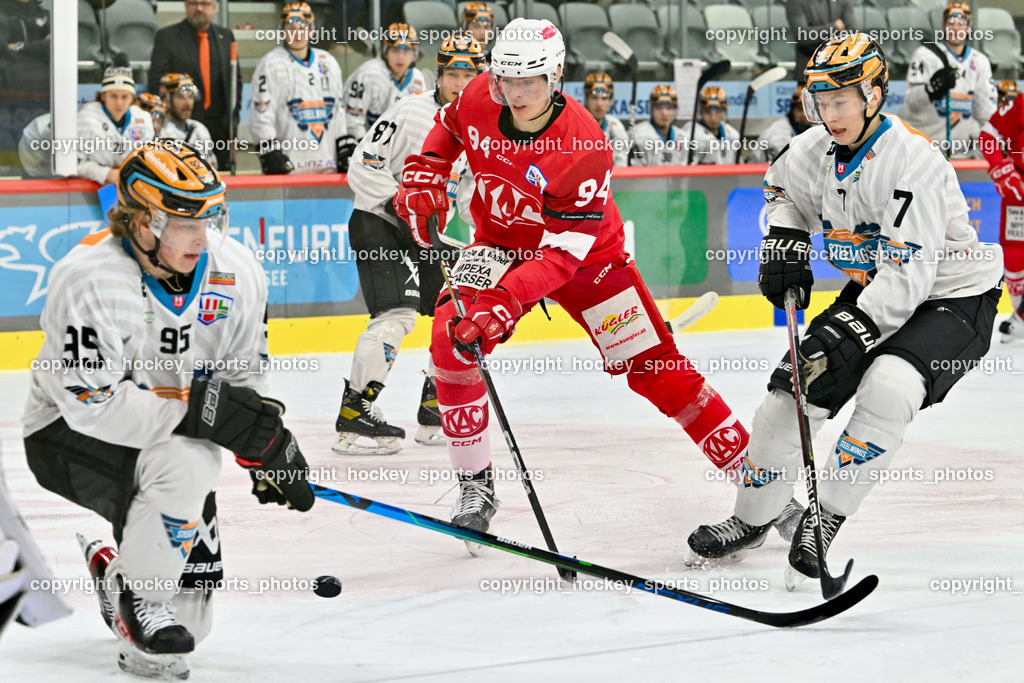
[{"x": 622, "y": 486}]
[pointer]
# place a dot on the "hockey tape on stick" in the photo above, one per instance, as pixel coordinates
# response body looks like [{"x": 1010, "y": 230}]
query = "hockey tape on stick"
[{"x": 697, "y": 310}]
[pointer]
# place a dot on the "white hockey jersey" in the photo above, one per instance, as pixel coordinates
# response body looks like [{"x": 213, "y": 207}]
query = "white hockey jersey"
[
  {"x": 36, "y": 159},
  {"x": 298, "y": 104},
  {"x": 650, "y": 148},
  {"x": 194, "y": 133},
  {"x": 973, "y": 97},
  {"x": 772, "y": 140},
  {"x": 714, "y": 148},
  {"x": 894, "y": 219},
  {"x": 102, "y": 145},
  {"x": 619, "y": 139},
  {"x": 120, "y": 352},
  {"x": 371, "y": 89},
  {"x": 379, "y": 157}
]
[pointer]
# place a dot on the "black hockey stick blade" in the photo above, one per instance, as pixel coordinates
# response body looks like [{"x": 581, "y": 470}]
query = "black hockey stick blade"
[
  {"x": 831, "y": 587},
  {"x": 804, "y": 617},
  {"x": 714, "y": 71}
]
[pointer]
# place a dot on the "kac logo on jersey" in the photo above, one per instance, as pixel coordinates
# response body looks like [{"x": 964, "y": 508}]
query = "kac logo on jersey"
[
  {"x": 213, "y": 307},
  {"x": 506, "y": 204}
]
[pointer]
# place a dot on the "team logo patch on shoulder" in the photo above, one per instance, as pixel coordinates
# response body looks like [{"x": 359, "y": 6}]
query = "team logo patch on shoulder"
[
  {"x": 372, "y": 161},
  {"x": 535, "y": 177},
  {"x": 91, "y": 395},
  {"x": 773, "y": 193},
  {"x": 219, "y": 278},
  {"x": 213, "y": 307}
]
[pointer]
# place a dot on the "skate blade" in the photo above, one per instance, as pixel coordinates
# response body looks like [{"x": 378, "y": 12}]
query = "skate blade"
[
  {"x": 429, "y": 436},
  {"x": 1010, "y": 338},
  {"x": 346, "y": 445},
  {"x": 133, "y": 661},
  {"x": 794, "y": 578},
  {"x": 473, "y": 548},
  {"x": 695, "y": 561}
]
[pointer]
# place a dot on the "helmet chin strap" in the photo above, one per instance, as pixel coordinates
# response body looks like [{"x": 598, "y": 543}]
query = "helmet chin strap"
[{"x": 151, "y": 255}]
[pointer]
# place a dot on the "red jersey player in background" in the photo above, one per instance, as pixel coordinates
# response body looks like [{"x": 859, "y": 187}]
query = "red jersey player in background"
[
  {"x": 1002, "y": 142},
  {"x": 546, "y": 226}
]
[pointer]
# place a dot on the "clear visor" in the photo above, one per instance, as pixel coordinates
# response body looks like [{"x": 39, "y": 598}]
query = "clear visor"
[
  {"x": 188, "y": 90},
  {"x": 837, "y": 104},
  {"x": 519, "y": 92},
  {"x": 190, "y": 235}
]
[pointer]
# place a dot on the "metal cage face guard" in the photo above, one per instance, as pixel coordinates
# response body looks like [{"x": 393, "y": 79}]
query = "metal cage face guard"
[
  {"x": 179, "y": 83},
  {"x": 599, "y": 85},
  {"x": 812, "y": 110}
]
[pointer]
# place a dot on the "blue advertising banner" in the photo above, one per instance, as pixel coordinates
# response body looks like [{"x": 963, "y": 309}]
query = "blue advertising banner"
[
  {"x": 744, "y": 233},
  {"x": 303, "y": 248}
]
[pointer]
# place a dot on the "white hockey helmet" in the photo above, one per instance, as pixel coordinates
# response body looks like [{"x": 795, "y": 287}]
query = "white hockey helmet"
[{"x": 525, "y": 48}]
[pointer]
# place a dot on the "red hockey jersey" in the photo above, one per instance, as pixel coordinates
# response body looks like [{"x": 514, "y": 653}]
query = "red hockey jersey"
[
  {"x": 546, "y": 195},
  {"x": 1003, "y": 135}
]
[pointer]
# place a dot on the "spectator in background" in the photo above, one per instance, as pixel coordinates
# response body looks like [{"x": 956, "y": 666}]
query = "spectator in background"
[
  {"x": 716, "y": 140},
  {"x": 147, "y": 101},
  {"x": 35, "y": 161},
  {"x": 598, "y": 97},
  {"x": 777, "y": 135},
  {"x": 378, "y": 83},
  {"x": 1007, "y": 90},
  {"x": 111, "y": 127},
  {"x": 179, "y": 93},
  {"x": 199, "y": 47},
  {"x": 658, "y": 142},
  {"x": 25, "y": 51},
  {"x": 812, "y": 22}
]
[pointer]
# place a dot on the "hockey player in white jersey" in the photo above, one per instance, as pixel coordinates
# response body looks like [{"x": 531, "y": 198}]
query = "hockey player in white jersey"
[
  {"x": 155, "y": 106},
  {"x": 123, "y": 417},
  {"x": 179, "y": 93},
  {"x": 658, "y": 142},
  {"x": 598, "y": 97},
  {"x": 378, "y": 83},
  {"x": 949, "y": 98},
  {"x": 296, "y": 114},
  {"x": 110, "y": 127},
  {"x": 716, "y": 140},
  {"x": 916, "y": 315},
  {"x": 397, "y": 289},
  {"x": 478, "y": 21},
  {"x": 780, "y": 132}
]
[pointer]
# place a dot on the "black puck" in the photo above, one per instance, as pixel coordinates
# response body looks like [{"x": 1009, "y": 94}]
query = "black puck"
[{"x": 327, "y": 586}]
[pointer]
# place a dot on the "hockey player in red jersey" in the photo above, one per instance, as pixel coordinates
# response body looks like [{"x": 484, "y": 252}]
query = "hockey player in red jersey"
[
  {"x": 1002, "y": 142},
  {"x": 546, "y": 226}
]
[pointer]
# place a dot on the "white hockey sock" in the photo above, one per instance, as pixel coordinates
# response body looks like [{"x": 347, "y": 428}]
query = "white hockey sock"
[
  {"x": 377, "y": 347},
  {"x": 888, "y": 398}
]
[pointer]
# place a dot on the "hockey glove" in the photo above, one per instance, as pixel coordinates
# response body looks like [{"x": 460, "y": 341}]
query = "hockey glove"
[
  {"x": 275, "y": 162},
  {"x": 490, "y": 320},
  {"x": 832, "y": 352},
  {"x": 283, "y": 477},
  {"x": 941, "y": 82},
  {"x": 343, "y": 148},
  {"x": 1009, "y": 183},
  {"x": 236, "y": 418},
  {"x": 785, "y": 263},
  {"x": 421, "y": 193}
]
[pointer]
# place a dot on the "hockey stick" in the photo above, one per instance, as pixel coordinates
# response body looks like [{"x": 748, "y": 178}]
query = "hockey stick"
[
  {"x": 620, "y": 47},
  {"x": 492, "y": 395},
  {"x": 234, "y": 96},
  {"x": 776, "y": 73},
  {"x": 830, "y": 585},
  {"x": 709, "y": 74},
  {"x": 945, "y": 63},
  {"x": 697, "y": 310},
  {"x": 811, "y": 615}
]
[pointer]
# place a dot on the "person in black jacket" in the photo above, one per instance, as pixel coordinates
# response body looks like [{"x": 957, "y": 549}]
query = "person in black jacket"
[
  {"x": 25, "y": 47},
  {"x": 812, "y": 22},
  {"x": 177, "y": 49}
]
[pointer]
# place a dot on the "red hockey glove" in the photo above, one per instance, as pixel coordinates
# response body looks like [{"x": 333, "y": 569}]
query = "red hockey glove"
[
  {"x": 423, "y": 192},
  {"x": 490, "y": 320},
  {"x": 1008, "y": 182}
]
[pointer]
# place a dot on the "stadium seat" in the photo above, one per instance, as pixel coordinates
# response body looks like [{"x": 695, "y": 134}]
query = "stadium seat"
[
  {"x": 131, "y": 29},
  {"x": 692, "y": 22},
  {"x": 872, "y": 20},
  {"x": 583, "y": 25},
  {"x": 771, "y": 17},
  {"x": 1003, "y": 49},
  {"x": 500, "y": 15},
  {"x": 434, "y": 20},
  {"x": 542, "y": 10},
  {"x": 742, "y": 53},
  {"x": 935, "y": 14},
  {"x": 929, "y": 5},
  {"x": 90, "y": 40},
  {"x": 637, "y": 25},
  {"x": 907, "y": 20}
]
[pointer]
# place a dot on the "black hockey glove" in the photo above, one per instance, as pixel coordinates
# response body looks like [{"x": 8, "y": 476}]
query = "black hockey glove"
[
  {"x": 343, "y": 148},
  {"x": 283, "y": 478},
  {"x": 236, "y": 418},
  {"x": 832, "y": 352},
  {"x": 275, "y": 162},
  {"x": 785, "y": 263},
  {"x": 941, "y": 82}
]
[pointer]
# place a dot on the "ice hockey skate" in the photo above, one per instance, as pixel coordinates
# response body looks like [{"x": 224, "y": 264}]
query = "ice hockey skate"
[
  {"x": 98, "y": 557},
  {"x": 789, "y": 520},
  {"x": 1012, "y": 329},
  {"x": 429, "y": 416},
  {"x": 803, "y": 556},
  {"x": 153, "y": 643},
  {"x": 360, "y": 418},
  {"x": 476, "y": 504},
  {"x": 727, "y": 542}
]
